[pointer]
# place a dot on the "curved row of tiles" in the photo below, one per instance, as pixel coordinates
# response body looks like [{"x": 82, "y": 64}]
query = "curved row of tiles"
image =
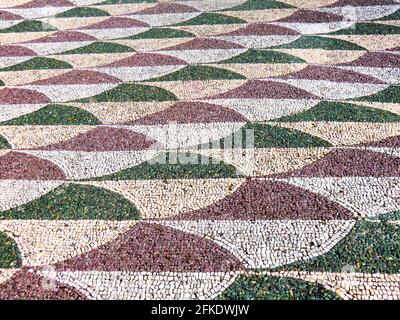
[
  {"x": 251, "y": 36},
  {"x": 102, "y": 285},
  {"x": 85, "y": 281},
  {"x": 192, "y": 114},
  {"x": 225, "y": 245},
  {"x": 155, "y": 119},
  {"x": 190, "y": 125},
  {"x": 299, "y": 91},
  {"x": 18, "y": 59},
  {"x": 81, "y": 152},
  {"x": 179, "y": 11},
  {"x": 197, "y": 258},
  {"x": 332, "y": 173},
  {"x": 133, "y": 144},
  {"x": 371, "y": 72},
  {"x": 303, "y": 22}
]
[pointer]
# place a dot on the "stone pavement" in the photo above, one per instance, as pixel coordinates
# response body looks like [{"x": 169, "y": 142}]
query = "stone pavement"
[{"x": 199, "y": 149}]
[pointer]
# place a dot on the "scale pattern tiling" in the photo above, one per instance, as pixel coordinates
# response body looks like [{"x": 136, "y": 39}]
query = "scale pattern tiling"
[{"x": 199, "y": 149}]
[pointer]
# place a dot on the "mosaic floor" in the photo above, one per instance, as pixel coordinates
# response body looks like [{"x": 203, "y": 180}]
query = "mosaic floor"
[{"x": 199, "y": 149}]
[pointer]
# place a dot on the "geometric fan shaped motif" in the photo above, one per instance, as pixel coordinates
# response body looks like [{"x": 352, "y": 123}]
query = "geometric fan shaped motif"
[{"x": 240, "y": 149}]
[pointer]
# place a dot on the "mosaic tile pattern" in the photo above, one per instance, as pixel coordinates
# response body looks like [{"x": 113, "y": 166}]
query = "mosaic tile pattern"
[{"x": 199, "y": 149}]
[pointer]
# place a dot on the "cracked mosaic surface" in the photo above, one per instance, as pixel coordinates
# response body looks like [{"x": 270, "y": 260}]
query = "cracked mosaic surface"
[{"x": 231, "y": 149}]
